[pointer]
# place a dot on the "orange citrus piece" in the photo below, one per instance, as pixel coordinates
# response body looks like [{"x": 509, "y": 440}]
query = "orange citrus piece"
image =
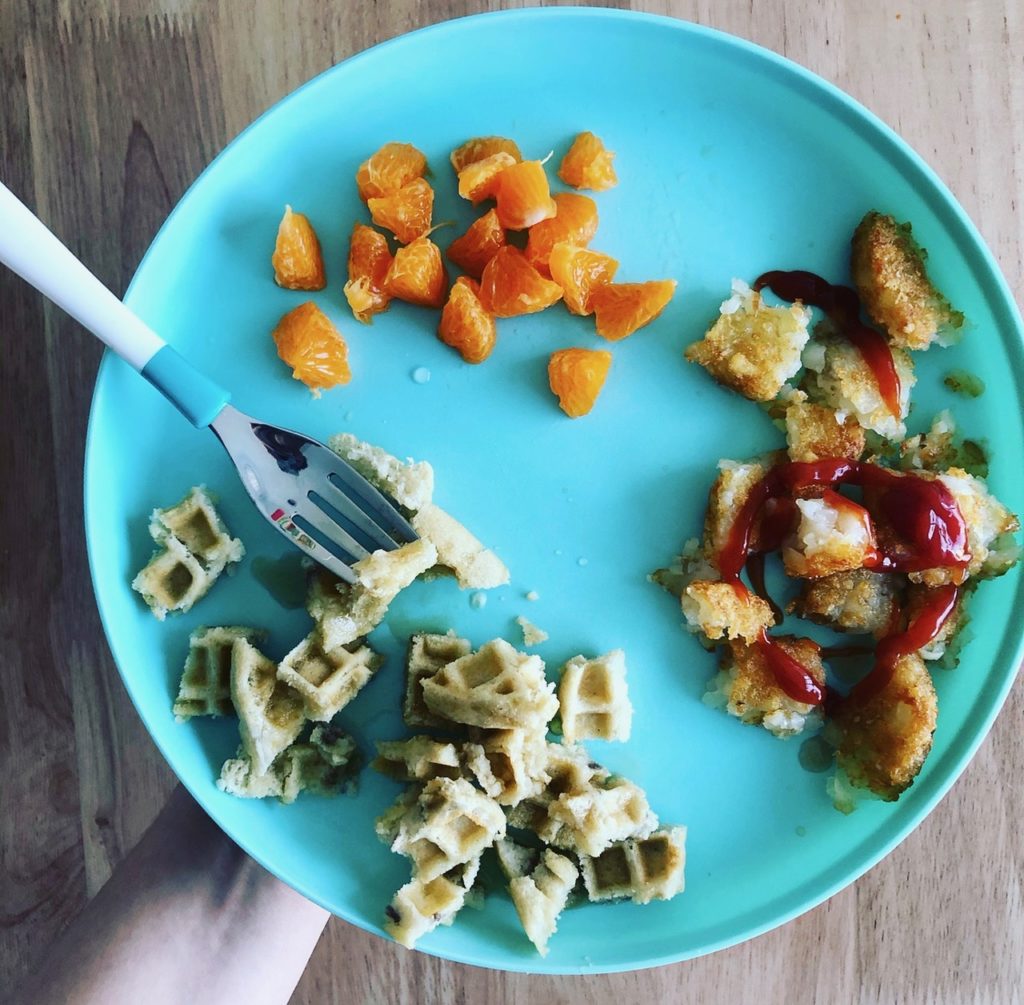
[
  {"x": 577, "y": 376},
  {"x": 575, "y": 221},
  {"x": 511, "y": 286},
  {"x": 389, "y": 169},
  {"x": 621, "y": 308},
  {"x": 417, "y": 274},
  {"x": 465, "y": 324},
  {"x": 588, "y": 164},
  {"x": 478, "y": 181},
  {"x": 310, "y": 344},
  {"x": 579, "y": 272},
  {"x": 478, "y": 245},
  {"x": 297, "y": 260},
  {"x": 407, "y": 212},
  {"x": 523, "y": 196},
  {"x": 480, "y": 147},
  {"x": 368, "y": 262}
]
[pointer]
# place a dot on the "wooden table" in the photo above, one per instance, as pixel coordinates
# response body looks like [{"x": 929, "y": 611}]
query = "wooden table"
[{"x": 102, "y": 154}]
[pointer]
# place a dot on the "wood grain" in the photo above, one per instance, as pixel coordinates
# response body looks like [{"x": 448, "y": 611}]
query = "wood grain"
[{"x": 103, "y": 154}]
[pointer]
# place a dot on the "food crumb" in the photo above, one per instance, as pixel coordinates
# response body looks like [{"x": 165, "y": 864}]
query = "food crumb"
[
  {"x": 421, "y": 375},
  {"x": 478, "y": 600},
  {"x": 964, "y": 383},
  {"x": 533, "y": 595},
  {"x": 532, "y": 635}
]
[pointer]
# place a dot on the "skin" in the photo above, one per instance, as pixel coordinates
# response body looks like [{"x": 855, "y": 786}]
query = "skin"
[{"x": 187, "y": 916}]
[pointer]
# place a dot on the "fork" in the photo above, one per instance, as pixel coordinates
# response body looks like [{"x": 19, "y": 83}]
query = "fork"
[{"x": 302, "y": 487}]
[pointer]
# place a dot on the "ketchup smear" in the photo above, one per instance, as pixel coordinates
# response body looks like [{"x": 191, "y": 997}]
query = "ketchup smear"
[
  {"x": 842, "y": 306},
  {"x": 924, "y": 516}
]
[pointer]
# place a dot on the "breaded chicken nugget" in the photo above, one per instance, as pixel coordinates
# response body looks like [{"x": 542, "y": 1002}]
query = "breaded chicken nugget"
[
  {"x": 746, "y": 688},
  {"x": 858, "y": 601},
  {"x": 889, "y": 271},
  {"x": 885, "y": 737}
]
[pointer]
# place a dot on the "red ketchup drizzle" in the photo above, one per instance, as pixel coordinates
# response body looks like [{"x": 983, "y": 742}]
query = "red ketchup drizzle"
[
  {"x": 922, "y": 630},
  {"x": 842, "y": 306},
  {"x": 923, "y": 514}
]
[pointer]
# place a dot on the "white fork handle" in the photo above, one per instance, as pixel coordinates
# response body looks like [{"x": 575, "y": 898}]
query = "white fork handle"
[{"x": 29, "y": 248}]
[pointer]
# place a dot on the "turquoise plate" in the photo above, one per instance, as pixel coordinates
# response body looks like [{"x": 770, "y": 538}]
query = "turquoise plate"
[{"x": 731, "y": 161}]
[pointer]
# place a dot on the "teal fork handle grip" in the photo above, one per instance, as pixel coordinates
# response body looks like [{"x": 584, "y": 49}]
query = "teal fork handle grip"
[{"x": 197, "y": 397}]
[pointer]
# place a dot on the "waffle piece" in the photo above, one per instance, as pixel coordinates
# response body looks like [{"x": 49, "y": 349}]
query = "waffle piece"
[
  {"x": 592, "y": 698},
  {"x": 642, "y": 869},
  {"x": 345, "y": 612},
  {"x": 172, "y": 580},
  {"x": 205, "y": 687},
  {"x": 196, "y": 523},
  {"x": 410, "y": 483},
  {"x": 496, "y": 687},
  {"x": 516, "y": 859},
  {"x": 324, "y": 766},
  {"x": 417, "y": 759},
  {"x": 270, "y": 712},
  {"x": 581, "y": 808},
  {"x": 532, "y": 635},
  {"x": 475, "y": 567},
  {"x": 508, "y": 764},
  {"x": 421, "y": 905},
  {"x": 327, "y": 681},
  {"x": 449, "y": 824},
  {"x": 568, "y": 769},
  {"x": 427, "y": 654},
  {"x": 541, "y": 896}
]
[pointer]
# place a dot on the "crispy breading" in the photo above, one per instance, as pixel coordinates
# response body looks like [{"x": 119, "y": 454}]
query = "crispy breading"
[
  {"x": 753, "y": 348},
  {"x": 989, "y": 526},
  {"x": 727, "y": 496},
  {"x": 947, "y": 641},
  {"x": 858, "y": 601},
  {"x": 746, "y": 687},
  {"x": 889, "y": 270},
  {"x": 815, "y": 431},
  {"x": 829, "y": 538},
  {"x": 718, "y": 609},
  {"x": 839, "y": 377},
  {"x": 885, "y": 738}
]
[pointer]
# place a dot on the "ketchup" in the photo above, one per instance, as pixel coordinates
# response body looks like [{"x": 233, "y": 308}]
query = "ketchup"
[
  {"x": 929, "y": 526},
  {"x": 842, "y": 307},
  {"x": 921, "y": 631},
  {"x": 789, "y": 673}
]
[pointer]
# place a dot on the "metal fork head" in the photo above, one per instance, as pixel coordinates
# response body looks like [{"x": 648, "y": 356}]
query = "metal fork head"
[{"x": 310, "y": 495}]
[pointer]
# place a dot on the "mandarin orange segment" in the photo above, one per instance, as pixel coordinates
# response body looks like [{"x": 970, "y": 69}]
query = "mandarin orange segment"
[
  {"x": 417, "y": 274},
  {"x": 389, "y": 169},
  {"x": 511, "y": 286},
  {"x": 310, "y": 344},
  {"x": 575, "y": 221},
  {"x": 579, "y": 272},
  {"x": 478, "y": 181},
  {"x": 297, "y": 260},
  {"x": 621, "y": 308},
  {"x": 465, "y": 324},
  {"x": 576, "y": 376},
  {"x": 523, "y": 195},
  {"x": 481, "y": 147},
  {"x": 588, "y": 164},
  {"x": 407, "y": 212},
  {"x": 478, "y": 245},
  {"x": 368, "y": 262}
]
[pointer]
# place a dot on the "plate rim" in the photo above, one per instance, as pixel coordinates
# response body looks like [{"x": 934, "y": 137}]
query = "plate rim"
[{"x": 976, "y": 254}]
